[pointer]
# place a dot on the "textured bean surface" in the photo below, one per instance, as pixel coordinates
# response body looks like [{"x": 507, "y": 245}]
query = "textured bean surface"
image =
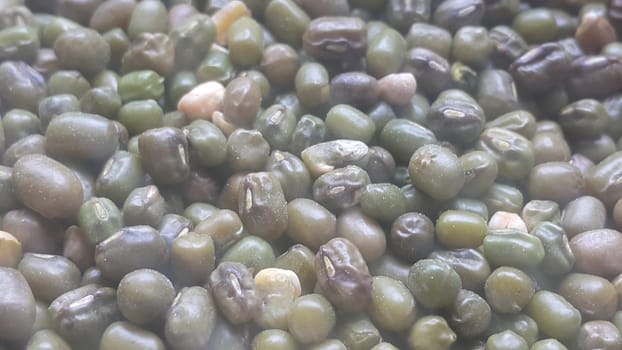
[{"x": 311, "y": 174}]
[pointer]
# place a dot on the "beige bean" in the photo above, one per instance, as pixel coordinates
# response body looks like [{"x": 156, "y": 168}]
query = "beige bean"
[
  {"x": 398, "y": 88},
  {"x": 202, "y": 101}
]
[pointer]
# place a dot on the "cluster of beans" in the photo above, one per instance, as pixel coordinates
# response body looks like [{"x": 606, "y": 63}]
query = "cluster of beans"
[{"x": 311, "y": 174}]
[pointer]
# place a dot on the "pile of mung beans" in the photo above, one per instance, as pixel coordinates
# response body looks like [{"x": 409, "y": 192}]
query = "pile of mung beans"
[{"x": 311, "y": 174}]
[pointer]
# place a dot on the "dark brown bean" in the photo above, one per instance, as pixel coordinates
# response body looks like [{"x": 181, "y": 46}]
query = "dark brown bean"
[
  {"x": 541, "y": 68},
  {"x": 343, "y": 275},
  {"x": 336, "y": 39},
  {"x": 594, "y": 77}
]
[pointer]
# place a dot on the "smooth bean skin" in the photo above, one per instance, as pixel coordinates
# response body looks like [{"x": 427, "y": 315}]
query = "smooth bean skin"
[
  {"x": 548, "y": 344},
  {"x": 251, "y": 251},
  {"x": 556, "y": 181},
  {"x": 511, "y": 247},
  {"x": 402, "y": 137},
  {"x": 18, "y": 305},
  {"x": 392, "y": 307},
  {"x": 274, "y": 339},
  {"x": 386, "y": 53},
  {"x": 192, "y": 257},
  {"x": 287, "y": 21},
  {"x": 556, "y": 317},
  {"x": 149, "y": 16},
  {"x": 457, "y": 229},
  {"x": 190, "y": 319},
  {"x": 594, "y": 296},
  {"x": 507, "y": 340},
  {"x": 245, "y": 42},
  {"x": 431, "y": 333},
  {"x": 47, "y": 186},
  {"x": 84, "y": 50},
  {"x": 47, "y": 339},
  {"x": 598, "y": 335},
  {"x": 310, "y": 223},
  {"x": 363, "y": 231},
  {"x": 277, "y": 290},
  {"x": 596, "y": 251},
  {"x": 82, "y": 136},
  {"x": 312, "y": 85},
  {"x": 141, "y": 115},
  {"x": 550, "y": 147},
  {"x": 347, "y": 122},
  {"x": 11, "y": 250},
  {"x": 509, "y": 290},
  {"x": 125, "y": 335},
  {"x": 575, "y": 218},
  {"x": 144, "y": 295},
  {"x": 49, "y": 275},
  {"x": 311, "y": 318}
]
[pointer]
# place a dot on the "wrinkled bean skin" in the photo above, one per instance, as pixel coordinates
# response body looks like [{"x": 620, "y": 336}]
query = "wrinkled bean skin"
[
  {"x": 436, "y": 170},
  {"x": 234, "y": 292},
  {"x": 512, "y": 151},
  {"x": 594, "y": 77},
  {"x": 341, "y": 188},
  {"x": 341, "y": 39},
  {"x": 81, "y": 315},
  {"x": 262, "y": 205},
  {"x": 431, "y": 70},
  {"x": 311, "y": 174},
  {"x": 164, "y": 155},
  {"x": 456, "y": 117},
  {"x": 343, "y": 276},
  {"x": 541, "y": 68},
  {"x": 602, "y": 179},
  {"x": 327, "y": 156}
]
